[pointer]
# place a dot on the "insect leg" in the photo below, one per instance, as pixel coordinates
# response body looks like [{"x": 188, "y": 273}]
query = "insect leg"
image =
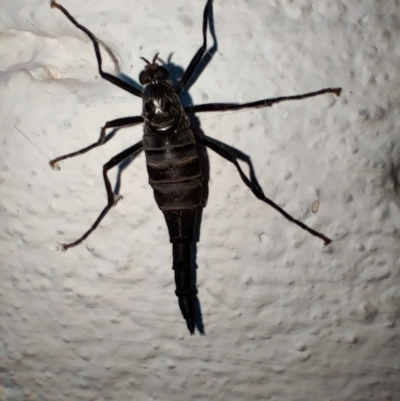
[
  {"x": 118, "y": 123},
  {"x": 258, "y": 103},
  {"x": 111, "y": 198},
  {"x": 199, "y": 54},
  {"x": 216, "y": 147},
  {"x": 111, "y": 78}
]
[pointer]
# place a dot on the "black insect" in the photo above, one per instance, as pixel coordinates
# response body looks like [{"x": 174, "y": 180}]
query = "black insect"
[{"x": 173, "y": 163}]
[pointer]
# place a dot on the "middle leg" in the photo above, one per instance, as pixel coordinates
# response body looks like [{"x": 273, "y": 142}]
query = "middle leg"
[
  {"x": 209, "y": 142},
  {"x": 257, "y": 103},
  {"x": 118, "y": 123}
]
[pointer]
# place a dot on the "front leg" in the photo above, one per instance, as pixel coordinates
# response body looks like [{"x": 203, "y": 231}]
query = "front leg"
[
  {"x": 105, "y": 75},
  {"x": 194, "y": 63}
]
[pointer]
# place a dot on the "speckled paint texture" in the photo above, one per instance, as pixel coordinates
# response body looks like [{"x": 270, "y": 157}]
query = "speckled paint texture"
[{"x": 285, "y": 318}]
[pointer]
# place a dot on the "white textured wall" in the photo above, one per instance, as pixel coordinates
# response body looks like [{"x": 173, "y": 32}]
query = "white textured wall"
[{"x": 285, "y": 318}]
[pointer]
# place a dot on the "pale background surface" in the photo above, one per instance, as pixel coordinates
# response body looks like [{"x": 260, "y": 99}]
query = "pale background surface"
[{"x": 285, "y": 318}]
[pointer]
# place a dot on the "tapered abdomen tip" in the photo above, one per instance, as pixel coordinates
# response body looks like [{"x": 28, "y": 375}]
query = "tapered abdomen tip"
[{"x": 190, "y": 324}]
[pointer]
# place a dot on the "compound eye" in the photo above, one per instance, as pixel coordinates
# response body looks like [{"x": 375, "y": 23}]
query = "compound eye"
[
  {"x": 162, "y": 73},
  {"x": 144, "y": 78}
]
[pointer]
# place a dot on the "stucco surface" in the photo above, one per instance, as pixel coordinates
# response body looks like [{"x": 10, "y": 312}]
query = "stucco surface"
[{"x": 285, "y": 318}]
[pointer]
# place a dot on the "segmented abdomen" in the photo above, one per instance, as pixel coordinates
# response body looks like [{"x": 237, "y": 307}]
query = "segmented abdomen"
[
  {"x": 174, "y": 168},
  {"x": 175, "y": 176}
]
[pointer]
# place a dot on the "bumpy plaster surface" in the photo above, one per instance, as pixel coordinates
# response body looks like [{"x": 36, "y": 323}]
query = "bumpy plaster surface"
[{"x": 284, "y": 317}]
